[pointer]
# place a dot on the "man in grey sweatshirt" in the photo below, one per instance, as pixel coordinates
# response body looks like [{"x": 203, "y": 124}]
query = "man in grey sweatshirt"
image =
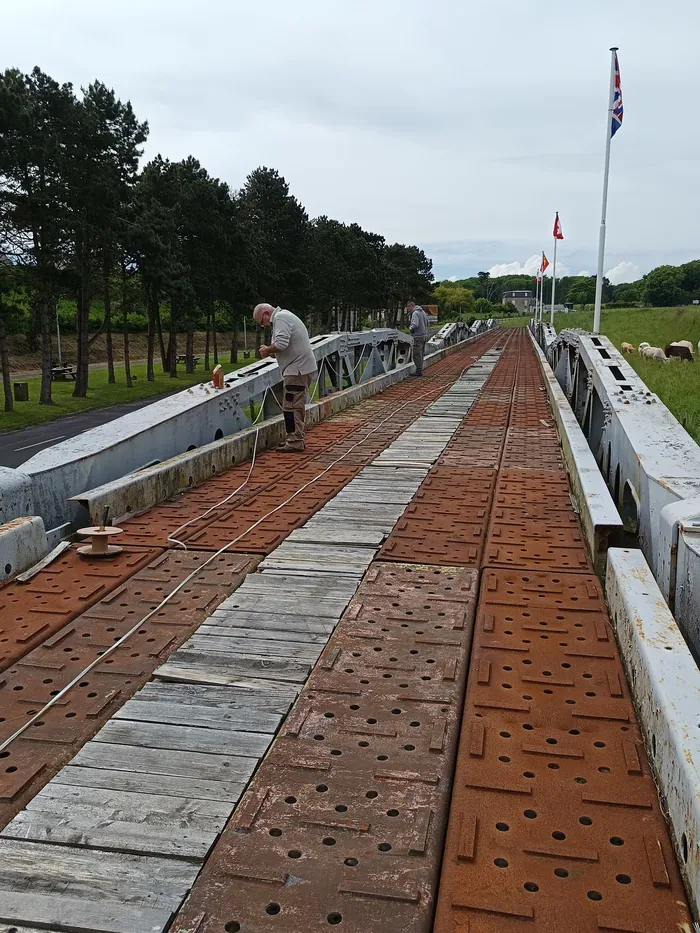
[
  {"x": 419, "y": 332},
  {"x": 295, "y": 357}
]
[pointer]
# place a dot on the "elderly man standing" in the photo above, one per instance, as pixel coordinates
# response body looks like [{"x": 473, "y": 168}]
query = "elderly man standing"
[
  {"x": 292, "y": 347},
  {"x": 419, "y": 332}
]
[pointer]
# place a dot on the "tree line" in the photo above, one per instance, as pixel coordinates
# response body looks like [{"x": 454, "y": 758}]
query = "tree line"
[
  {"x": 82, "y": 219},
  {"x": 665, "y": 286}
]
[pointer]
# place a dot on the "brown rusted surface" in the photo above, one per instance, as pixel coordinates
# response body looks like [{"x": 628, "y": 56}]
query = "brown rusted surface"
[
  {"x": 32, "y": 611},
  {"x": 36, "y": 756},
  {"x": 555, "y": 821},
  {"x": 554, "y": 812},
  {"x": 344, "y": 821}
]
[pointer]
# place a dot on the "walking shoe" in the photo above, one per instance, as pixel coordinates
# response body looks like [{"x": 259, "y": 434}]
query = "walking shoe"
[{"x": 286, "y": 449}]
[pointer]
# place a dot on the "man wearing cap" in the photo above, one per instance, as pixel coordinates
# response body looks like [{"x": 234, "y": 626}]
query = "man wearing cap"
[
  {"x": 292, "y": 348},
  {"x": 419, "y": 332}
]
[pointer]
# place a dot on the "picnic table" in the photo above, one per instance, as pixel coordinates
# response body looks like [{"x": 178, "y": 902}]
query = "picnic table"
[
  {"x": 182, "y": 358},
  {"x": 62, "y": 373}
]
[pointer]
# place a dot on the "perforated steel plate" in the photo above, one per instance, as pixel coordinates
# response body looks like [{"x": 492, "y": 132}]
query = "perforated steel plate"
[
  {"x": 32, "y": 611},
  {"x": 343, "y": 823}
]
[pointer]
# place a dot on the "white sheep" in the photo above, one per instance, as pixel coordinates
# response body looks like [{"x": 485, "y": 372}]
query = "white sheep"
[
  {"x": 684, "y": 343},
  {"x": 654, "y": 353},
  {"x": 642, "y": 347}
]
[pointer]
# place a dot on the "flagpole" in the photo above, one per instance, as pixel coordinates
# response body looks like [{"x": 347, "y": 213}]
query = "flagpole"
[
  {"x": 601, "y": 239},
  {"x": 554, "y": 282},
  {"x": 537, "y": 295}
]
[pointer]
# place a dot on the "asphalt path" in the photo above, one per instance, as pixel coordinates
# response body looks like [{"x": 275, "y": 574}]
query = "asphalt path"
[{"x": 18, "y": 446}]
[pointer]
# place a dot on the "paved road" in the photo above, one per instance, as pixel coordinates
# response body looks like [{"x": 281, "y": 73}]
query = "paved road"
[{"x": 18, "y": 446}]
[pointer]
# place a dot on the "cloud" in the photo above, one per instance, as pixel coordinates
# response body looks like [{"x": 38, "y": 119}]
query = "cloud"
[
  {"x": 452, "y": 278},
  {"x": 529, "y": 267},
  {"x": 585, "y": 273},
  {"x": 624, "y": 272}
]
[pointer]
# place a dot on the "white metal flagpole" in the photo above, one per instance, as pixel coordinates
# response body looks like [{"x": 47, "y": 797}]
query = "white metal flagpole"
[
  {"x": 601, "y": 239},
  {"x": 554, "y": 282},
  {"x": 537, "y": 295}
]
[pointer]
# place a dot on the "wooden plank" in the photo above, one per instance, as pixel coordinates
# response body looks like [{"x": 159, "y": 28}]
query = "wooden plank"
[
  {"x": 276, "y": 622},
  {"x": 131, "y": 879},
  {"x": 244, "y": 719},
  {"x": 231, "y": 645},
  {"x": 94, "y": 828},
  {"x": 280, "y": 584},
  {"x": 242, "y": 666},
  {"x": 132, "y": 805},
  {"x": 218, "y": 697},
  {"x": 332, "y": 533},
  {"x": 164, "y": 784},
  {"x": 157, "y": 761},
  {"x": 187, "y": 672},
  {"x": 77, "y": 915},
  {"x": 184, "y": 738},
  {"x": 216, "y": 627},
  {"x": 290, "y": 605}
]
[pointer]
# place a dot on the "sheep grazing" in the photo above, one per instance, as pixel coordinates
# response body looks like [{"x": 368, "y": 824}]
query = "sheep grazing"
[
  {"x": 627, "y": 348},
  {"x": 682, "y": 343},
  {"x": 654, "y": 353},
  {"x": 642, "y": 347},
  {"x": 680, "y": 351}
]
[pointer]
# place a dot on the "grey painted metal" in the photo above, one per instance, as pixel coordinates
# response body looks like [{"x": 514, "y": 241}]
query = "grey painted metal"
[
  {"x": 649, "y": 461},
  {"x": 600, "y": 519},
  {"x": 196, "y": 416},
  {"x": 15, "y": 494},
  {"x": 22, "y": 544},
  {"x": 665, "y": 684}
]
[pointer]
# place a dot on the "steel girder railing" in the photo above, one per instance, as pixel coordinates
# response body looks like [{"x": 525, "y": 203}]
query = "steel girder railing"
[{"x": 190, "y": 419}]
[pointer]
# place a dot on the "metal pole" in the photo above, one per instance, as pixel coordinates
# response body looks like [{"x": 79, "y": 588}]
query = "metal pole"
[
  {"x": 601, "y": 239},
  {"x": 245, "y": 335},
  {"x": 554, "y": 282},
  {"x": 538, "y": 286},
  {"x": 58, "y": 335}
]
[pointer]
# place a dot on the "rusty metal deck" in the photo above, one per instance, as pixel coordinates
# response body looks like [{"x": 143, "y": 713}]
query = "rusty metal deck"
[
  {"x": 553, "y": 812},
  {"x": 356, "y": 816}
]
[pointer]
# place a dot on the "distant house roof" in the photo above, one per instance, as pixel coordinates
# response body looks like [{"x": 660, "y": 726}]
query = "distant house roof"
[{"x": 520, "y": 294}]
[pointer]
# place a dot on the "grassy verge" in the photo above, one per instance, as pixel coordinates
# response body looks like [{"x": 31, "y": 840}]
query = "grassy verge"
[
  {"x": 677, "y": 384},
  {"x": 101, "y": 394}
]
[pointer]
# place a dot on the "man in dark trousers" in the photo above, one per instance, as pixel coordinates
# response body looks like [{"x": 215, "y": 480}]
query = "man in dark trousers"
[
  {"x": 419, "y": 332},
  {"x": 292, "y": 348}
]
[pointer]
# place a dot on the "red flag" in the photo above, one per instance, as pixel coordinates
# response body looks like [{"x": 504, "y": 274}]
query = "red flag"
[
  {"x": 543, "y": 267},
  {"x": 557, "y": 234}
]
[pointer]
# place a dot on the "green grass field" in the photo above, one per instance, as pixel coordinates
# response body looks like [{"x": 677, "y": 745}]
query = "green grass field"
[
  {"x": 677, "y": 384},
  {"x": 101, "y": 394}
]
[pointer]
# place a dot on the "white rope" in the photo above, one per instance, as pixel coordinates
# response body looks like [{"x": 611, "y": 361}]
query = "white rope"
[{"x": 171, "y": 537}]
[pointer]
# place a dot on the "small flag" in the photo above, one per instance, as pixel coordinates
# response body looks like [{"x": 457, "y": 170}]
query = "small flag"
[
  {"x": 545, "y": 263},
  {"x": 617, "y": 110},
  {"x": 557, "y": 234}
]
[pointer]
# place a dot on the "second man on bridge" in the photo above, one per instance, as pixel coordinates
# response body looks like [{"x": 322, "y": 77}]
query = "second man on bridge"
[{"x": 419, "y": 332}]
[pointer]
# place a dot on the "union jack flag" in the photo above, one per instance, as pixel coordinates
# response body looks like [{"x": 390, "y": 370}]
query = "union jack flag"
[{"x": 617, "y": 110}]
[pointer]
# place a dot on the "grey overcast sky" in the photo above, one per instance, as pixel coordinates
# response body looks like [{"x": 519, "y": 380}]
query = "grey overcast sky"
[{"x": 460, "y": 125}]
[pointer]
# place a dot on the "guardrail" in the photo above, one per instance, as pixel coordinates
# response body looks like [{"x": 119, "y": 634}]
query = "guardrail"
[
  {"x": 650, "y": 463},
  {"x": 198, "y": 416},
  {"x": 456, "y": 331}
]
